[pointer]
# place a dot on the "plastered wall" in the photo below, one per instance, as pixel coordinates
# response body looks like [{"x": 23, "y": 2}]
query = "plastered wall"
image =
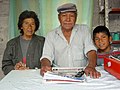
[{"x": 4, "y": 13}]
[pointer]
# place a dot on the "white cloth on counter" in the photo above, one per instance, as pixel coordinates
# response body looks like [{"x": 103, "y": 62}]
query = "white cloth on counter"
[{"x": 31, "y": 80}]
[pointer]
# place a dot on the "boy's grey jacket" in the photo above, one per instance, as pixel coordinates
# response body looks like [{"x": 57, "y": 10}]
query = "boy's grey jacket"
[{"x": 13, "y": 53}]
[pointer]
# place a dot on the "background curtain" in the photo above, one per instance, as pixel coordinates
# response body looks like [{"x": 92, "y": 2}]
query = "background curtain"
[{"x": 47, "y": 13}]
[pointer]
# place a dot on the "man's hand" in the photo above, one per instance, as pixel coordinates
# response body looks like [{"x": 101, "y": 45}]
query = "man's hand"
[
  {"x": 45, "y": 69},
  {"x": 90, "y": 69},
  {"x": 92, "y": 72},
  {"x": 20, "y": 66},
  {"x": 45, "y": 66}
]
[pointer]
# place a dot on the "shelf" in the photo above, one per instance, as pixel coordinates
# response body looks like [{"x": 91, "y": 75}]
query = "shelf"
[
  {"x": 116, "y": 42},
  {"x": 114, "y": 11},
  {"x": 111, "y": 11}
]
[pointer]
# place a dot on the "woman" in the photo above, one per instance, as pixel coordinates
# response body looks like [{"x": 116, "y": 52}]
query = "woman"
[{"x": 24, "y": 51}]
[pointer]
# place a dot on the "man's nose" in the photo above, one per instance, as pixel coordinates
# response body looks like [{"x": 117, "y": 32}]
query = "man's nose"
[{"x": 68, "y": 18}]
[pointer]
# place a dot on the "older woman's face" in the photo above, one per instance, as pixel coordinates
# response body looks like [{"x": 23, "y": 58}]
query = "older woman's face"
[
  {"x": 67, "y": 20},
  {"x": 28, "y": 27}
]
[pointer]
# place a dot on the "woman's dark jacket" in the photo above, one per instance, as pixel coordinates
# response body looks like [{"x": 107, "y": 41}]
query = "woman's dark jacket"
[{"x": 13, "y": 53}]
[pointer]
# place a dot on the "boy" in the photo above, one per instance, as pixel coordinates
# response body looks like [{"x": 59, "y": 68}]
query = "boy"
[{"x": 102, "y": 39}]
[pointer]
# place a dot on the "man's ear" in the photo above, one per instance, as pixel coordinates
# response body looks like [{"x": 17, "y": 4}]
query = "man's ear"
[{"x": 58, "y": 16}]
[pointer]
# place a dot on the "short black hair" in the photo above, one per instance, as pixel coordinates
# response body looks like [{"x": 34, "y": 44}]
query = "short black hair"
[
  {"x": 28, "y": 14},
  {"x": 101, "y": 29}
]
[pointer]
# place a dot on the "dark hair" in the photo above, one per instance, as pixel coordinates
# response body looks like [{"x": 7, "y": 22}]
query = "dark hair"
[
  {"x": 101, "y": 29},
  {"x": 27, "y": 14}
]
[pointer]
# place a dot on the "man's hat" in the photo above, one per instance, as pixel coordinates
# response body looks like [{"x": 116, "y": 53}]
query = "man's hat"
[{"x": 67, "y": 8}]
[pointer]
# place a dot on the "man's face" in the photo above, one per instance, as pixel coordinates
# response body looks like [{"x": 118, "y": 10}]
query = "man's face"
[{"x": 67, "y": 20}]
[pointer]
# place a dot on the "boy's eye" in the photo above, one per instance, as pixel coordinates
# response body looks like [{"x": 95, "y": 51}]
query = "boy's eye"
[
  {"x": 96, "y": 39},
  {"x": 104, "y": 37}
]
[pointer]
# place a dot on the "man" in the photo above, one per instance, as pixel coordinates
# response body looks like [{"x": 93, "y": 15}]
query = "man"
[{"x": 69, "y": 45}]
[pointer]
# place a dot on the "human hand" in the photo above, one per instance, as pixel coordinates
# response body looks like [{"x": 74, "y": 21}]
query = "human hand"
[
  {"x": 45, "y": 69},
  {"x": 20, "y": 66},
  {"x": 92, "y": 72}
]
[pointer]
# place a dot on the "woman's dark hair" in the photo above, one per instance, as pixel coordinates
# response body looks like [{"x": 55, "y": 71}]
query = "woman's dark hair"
[
  {"x": 27, "y": 14},
  {"x": 101, "y": 29}
]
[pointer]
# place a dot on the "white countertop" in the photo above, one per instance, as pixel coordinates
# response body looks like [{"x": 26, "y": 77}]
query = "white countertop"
[{"x": 31, "y": 80}]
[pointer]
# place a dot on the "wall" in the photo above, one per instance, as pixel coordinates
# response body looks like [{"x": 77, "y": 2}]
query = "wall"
[
  {"x": 114, "y": 19},
  {"x": 4, "y": 13}
]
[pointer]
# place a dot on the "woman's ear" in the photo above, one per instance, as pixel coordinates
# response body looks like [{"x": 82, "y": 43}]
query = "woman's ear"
[{"x": 21, "y": 27}]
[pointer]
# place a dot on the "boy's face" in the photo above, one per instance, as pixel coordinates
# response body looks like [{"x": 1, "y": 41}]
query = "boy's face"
[{"x": 102, "y": 42}]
